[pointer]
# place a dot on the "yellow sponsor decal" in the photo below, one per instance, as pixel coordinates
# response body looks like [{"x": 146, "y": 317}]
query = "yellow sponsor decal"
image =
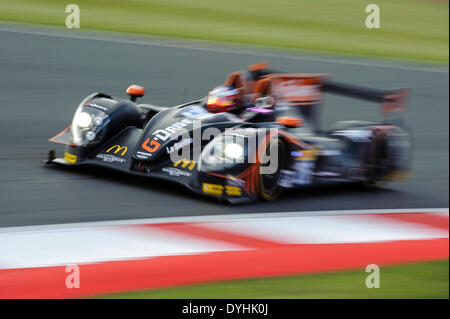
[
  {"x": 307, "y": 155},
  {"x": 212, "y": 189},
  {"x": 71, "y": 158},
  {"x": 233, "y": 190},
  {"x": 184, "y": 163},
  {"x": 117, "y": 149}
]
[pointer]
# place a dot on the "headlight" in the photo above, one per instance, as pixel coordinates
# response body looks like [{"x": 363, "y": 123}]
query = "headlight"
[
  {"x": 83, "y": 120},
  {"x": 90, "y": 135},
  {"x": 98, "y": 121},
  {"x": 233, "y": 151},
  {"x": 221, "y": 153},
  {"x": 87, "y": 124}
]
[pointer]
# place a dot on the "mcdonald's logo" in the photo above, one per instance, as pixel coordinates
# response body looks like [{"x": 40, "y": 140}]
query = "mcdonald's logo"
[
  {"x": 118, "y": 148},
  {"x": 184, "y": 163}
]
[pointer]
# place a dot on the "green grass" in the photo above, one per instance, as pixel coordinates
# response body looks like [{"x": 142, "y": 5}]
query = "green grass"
[
  {"x": 421, "y": 280},
  {"x": 410, "y": 29}
]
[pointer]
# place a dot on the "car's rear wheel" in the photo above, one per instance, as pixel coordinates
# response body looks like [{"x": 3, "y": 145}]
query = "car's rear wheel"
[{"x": 269, "y": 188}]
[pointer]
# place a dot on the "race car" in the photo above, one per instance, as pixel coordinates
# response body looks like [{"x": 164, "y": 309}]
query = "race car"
[{"x": 249, "y": 139}]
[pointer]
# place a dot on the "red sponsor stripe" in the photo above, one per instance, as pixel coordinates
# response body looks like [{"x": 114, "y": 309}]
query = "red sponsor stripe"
[
  {"x": 204, "y": 232},
  {"x": 425, "y": 219},
  {"x": 120, "y": 276}
]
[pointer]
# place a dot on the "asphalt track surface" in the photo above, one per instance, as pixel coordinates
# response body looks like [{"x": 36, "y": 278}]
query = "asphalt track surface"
[{"x": 44, "y": 74}]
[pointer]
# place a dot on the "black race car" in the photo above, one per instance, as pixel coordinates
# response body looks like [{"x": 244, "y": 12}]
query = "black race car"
[{"x": 270, "y": 143}]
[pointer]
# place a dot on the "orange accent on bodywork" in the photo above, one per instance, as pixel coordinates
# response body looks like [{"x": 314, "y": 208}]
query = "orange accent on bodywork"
[
  {"x": 298, "y": 89},
  {"x": 136, "y": 90},
  {"x": 258, "y": 66},
  {"x": 250, "y": 178},
  {"x": 262, "y": 88},
  {"x": 251, "y": 174},
  {"x": 289, "y": 121},
  {"x": 237, "y": 80},
  {"x": 395, "y": 102},
  {"x": 312, "y": 77},
  {"x": 221, "y": 176}
]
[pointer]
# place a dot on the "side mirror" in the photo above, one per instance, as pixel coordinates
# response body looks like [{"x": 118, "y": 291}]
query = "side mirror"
[
  {"x": 264, "y": 102},
  {"x": 135, "y": 91}
]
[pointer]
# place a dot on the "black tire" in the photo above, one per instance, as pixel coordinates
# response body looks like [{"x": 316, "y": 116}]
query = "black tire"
[{"x": 268, "y": 183}]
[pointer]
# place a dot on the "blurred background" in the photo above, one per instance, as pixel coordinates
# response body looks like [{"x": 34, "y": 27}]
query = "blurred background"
[{"x": 409, "y": 29}]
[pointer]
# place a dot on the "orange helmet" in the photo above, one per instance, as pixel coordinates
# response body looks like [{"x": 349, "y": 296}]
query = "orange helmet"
[{"x": 222, "y": 99}]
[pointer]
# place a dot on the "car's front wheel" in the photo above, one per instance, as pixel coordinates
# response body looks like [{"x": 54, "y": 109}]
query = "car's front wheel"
[{"x": 273, "y": 161}]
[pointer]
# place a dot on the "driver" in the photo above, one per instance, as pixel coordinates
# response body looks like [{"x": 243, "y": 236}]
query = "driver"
[
  {"x": 226, "y": 99},
  {"x": 223, "y": 99},
  {"x": 235, "y": 96}
]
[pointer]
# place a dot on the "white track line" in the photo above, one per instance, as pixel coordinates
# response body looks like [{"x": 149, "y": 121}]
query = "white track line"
[
  {"x": 330, "y": 229},
  {"x": 176, "y": 44},
  {"x": 219, "y": 218},
  {"x": 92, "y": 242},
  {"x": 98, "y": 244}
]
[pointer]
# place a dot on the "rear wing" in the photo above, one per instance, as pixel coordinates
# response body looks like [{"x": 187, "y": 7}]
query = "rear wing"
[
  {"x": 297, "y": 89},
  {"x": 393, "y": 102},
  {"x": 303, "y": 89}
]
